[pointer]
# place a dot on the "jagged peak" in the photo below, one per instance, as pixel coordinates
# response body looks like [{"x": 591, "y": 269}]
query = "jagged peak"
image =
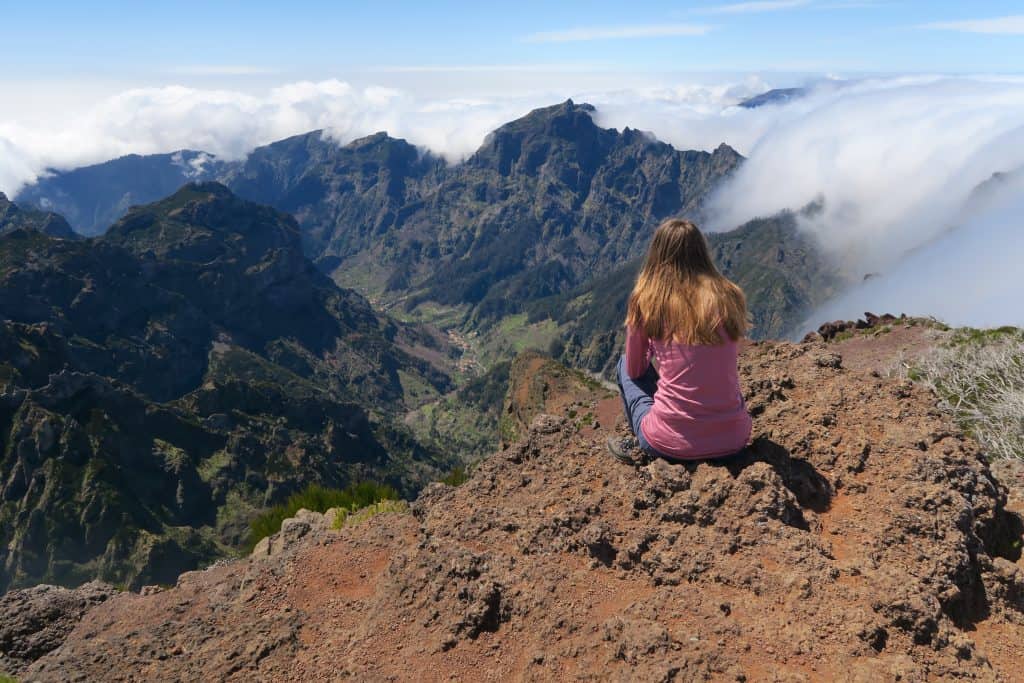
[
  {"x": 540, "y": 119},
  {"x": 566, "y": 126},
  {"x": 381, "y": 137}
]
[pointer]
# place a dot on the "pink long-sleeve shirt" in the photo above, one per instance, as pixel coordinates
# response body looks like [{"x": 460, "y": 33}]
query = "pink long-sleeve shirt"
[{"x": 698, "y": 409}]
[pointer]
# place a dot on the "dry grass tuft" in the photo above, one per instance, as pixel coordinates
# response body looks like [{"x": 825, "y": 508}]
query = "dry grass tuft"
[{"x": 979, "y": 377}]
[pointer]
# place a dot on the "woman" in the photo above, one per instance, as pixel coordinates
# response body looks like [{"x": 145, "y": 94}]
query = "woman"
[{"x": 689, "y": 318}]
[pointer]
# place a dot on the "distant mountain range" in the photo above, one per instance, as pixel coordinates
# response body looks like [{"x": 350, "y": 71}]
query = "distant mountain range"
[
  {"x": 93, "y": 197},
  {"x": 321, "y": 313},
  {"x": 547, "y": 204},
  {"x": 160, "y": 384}
]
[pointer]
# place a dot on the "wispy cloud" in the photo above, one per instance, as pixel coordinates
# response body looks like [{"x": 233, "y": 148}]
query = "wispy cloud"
[
  {"x": 482, "y": 68},
  {"x": 1011, "y": 25},
  {"x": 617, "y": 32},
  {"x": 851, "y": 4},
  {"x": 752, "y": 7},
  {"x": 757, "y": 6},
  {"x": 221, "y": 70}
]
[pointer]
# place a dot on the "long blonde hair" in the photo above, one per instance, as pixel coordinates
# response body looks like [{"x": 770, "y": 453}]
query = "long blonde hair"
[{"x": 680, "y": 296}]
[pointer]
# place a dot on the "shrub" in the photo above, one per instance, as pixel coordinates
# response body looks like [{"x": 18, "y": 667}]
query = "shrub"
[
  {"x": 979, "y": 378},
  {"x": 456, "y": 477},
  {"x": 358, "y": 516},
  {"x": 318, "y": 499}
]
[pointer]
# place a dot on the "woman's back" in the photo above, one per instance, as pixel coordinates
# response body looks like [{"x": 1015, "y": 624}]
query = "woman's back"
[{"x": 698, "y": 409}]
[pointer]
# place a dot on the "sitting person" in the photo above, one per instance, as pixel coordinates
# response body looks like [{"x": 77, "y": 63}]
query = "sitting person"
[{"x": 689, "y": 318}]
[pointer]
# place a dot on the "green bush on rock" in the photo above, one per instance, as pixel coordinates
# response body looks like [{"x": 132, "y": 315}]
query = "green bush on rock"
[
  {"x": 319, "y": 499},
  {"x": 351, "y": 517}
]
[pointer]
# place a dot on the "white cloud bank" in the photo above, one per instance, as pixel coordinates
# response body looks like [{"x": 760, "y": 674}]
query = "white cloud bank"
[
  {"x": 968, "y": 276},
  {"x": 895, "y": 162},
  {"x": 893, "y": 159}
]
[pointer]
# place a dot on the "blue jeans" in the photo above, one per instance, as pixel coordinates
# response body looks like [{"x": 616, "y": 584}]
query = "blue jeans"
[{"x": 637, "y": 399}]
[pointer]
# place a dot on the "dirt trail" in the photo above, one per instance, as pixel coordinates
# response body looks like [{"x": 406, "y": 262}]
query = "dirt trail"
[{"x": 865, "y": 539}]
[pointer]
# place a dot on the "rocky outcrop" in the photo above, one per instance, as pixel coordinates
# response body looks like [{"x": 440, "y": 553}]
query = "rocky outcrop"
[
  {"x": 37, "y": 620},
  {"x": 863, "y": 537},
  {"x": 539, "y": 384},
  {"x": 830, "y": 330}
]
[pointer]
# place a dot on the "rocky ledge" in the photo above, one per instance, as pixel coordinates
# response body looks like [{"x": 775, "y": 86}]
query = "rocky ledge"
[{"x": 863, "y": 539}]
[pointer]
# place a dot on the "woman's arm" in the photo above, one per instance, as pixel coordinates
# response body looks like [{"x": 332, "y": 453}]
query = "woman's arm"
[{"x": 638, "y": 351}]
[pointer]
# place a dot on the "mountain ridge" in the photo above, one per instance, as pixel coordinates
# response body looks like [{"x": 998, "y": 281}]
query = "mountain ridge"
[{"x": 93, "y": 197}]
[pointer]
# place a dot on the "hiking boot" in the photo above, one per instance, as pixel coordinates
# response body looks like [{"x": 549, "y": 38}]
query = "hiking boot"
[{"x": 626, "y": 449}]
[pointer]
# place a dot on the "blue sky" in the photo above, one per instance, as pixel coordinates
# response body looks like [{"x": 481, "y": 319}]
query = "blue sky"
[{"x": 190, "y": 41}]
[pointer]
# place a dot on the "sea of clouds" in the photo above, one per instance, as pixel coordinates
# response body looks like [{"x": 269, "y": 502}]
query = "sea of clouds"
[{"x": 893, "y": 160}]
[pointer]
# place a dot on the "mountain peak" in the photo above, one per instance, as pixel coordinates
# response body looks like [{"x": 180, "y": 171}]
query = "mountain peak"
[
  {"x": 202, "y": 221},
  {"x": 396, "y": 154},
  {"x": 208, "y": 190},
  {"x": 566, "y": 129},
  {"x": 542, "y": 118}
]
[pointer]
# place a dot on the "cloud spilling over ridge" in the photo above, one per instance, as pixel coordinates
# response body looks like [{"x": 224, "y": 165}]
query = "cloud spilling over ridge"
[
  {"x": 893, "y": 160},
  {"x": 968, "y": 276},
  {"x": 896, "y": 163}
]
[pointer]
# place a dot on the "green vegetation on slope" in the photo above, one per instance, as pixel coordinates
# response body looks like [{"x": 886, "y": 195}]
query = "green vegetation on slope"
[
  {"x": 319, "y": 499},
  {"x": 163, "y": 384},
  {"x": 352, "y": 517},
  {"x": 465, "y": 422}
]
